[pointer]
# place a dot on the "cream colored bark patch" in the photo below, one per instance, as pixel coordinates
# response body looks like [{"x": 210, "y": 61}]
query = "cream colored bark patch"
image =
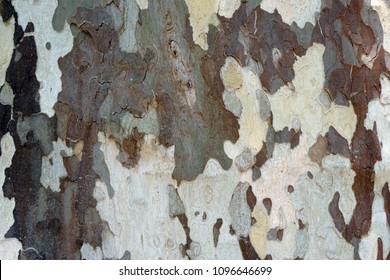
[
  {"x": 258, "y": 232},
  {"x": 300, "y": 105},
  {"x": 9, "y": 247},
  {"x": 383, "y": 10},
  {"x": 143, "y": 4},
  {"x": 6, "y": 47},
  {"x": 300, "y": 11},
  {"x": 51, "y": 45},
  {"x": 247, "y": 86},
  {"x": 203, "y": 13}
]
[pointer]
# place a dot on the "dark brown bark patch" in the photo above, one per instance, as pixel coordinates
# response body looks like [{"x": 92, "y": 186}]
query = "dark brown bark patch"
[
  {"x": 132, "y": 148},
  {"x": 248, "y": 252},
  {"x": 216, "y": 231},
  {"x": 274, "y": 44},
  {"x": 268, "y": 205}
]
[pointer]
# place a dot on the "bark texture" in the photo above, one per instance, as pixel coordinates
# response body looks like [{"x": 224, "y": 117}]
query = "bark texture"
[{"x": 186, "y": 129}]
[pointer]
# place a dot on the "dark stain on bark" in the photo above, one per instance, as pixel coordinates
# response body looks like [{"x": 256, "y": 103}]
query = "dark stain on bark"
[
  {"x": 251, "y": 198},
  {"x": 7, "y": 10},
  {"x": 256, "y": 173},
  {"x": 288, "y": 136},
  {"x": 268, "y": 205},
  {"x": 279, "y": 234},
  {"x": 276, "y": 137},
  {"x": 5, "y": 117},
  {"x": 301, "y": 225},
  {"x": 184, "y": 222},
  {"x": 216, "y": 231},
  {"x": 166, "y": 118},
  {"x": 386, "y": 199},
  {"x": 177, "y": 210},
  {"x": 380, "y": 249},
  {"x": 337, "y": 144},
  {"x": 30, "y": 27},
  {"x": 22, "y": 79},
  {"x": 331, "y": 143},
  {"x": 275, "y": 234},
  {"x": 262, "y": 156},
  {"x": 248, "y": 252},
  {"x": 132, "y": 147},
  {"x": 319, "y": 150}
]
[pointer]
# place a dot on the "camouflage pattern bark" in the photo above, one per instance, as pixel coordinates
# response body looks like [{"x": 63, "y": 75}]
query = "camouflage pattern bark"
[{"x": 185, "y": 129}]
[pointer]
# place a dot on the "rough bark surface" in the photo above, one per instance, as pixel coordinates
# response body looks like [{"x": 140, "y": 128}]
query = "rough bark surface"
[{"x": 185, "y": 129}]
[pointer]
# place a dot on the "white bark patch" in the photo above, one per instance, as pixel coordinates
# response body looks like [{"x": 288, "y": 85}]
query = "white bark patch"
[
  {"x": 311, "y": 200},
  {"x": 227, "y": 8},
  {"x": 300, "y": 11},
  {"x": 53, "y": 168},
  {"x": 301, "y": 102},
  {"x": 89, "y": 253},
  {"x": 6, "y": 95},
  {"x": 9, "y": 247},
  {"x": 207, "y": 199},
  {"x": 282, "y": 170},
  {"x": 7, "y": 30},
  {"x": 379, "y": 113},
  {"x": 138, "y": 214},
  {"x": 40, "y": 12}
]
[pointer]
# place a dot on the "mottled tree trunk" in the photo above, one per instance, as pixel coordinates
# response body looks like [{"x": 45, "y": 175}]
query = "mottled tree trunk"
[{"x": 188, "y": 129}]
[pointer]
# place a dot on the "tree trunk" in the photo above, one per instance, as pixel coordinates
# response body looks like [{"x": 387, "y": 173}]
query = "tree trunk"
[{"x": 187, "y": 129}]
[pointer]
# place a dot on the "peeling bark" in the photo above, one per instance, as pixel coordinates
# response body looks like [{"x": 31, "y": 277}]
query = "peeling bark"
[{"x": 174, "y": 130}]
